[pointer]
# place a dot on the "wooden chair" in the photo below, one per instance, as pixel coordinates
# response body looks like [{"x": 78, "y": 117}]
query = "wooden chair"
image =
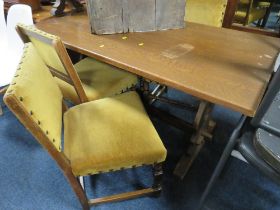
[
  {"x": 89, "y": 79},
  {"x": 257, "y": 139},
  {"x": 99, "y": 136},
  {"x": 249, "y": 11},
  {"x": 206, "y": 12}
]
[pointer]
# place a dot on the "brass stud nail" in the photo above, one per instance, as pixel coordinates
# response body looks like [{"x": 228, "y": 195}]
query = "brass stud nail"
[
  {"x": 21, "y": 98},
  {"x": 141, "y": 44},
  {"x": 39, "y": 123},
  {"x": 31, "y": 113},
  {"x": 102, "y": 46},
  {"x": 47, "y": 132},
  {"x": 16, "y": 75},
  {"x": 53, "y": 140},
  {"x": 124, "y": 37}
]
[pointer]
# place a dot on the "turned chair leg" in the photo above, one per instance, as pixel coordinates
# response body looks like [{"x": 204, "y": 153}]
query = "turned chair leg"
[
  {"x": 2, "y": 92},
  {"x": 1, "y": 111},
  {"x": 158, "y": 175}
]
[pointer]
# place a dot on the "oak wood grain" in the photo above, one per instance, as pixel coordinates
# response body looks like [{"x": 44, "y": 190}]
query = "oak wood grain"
[{"x": 222, "y": 66}]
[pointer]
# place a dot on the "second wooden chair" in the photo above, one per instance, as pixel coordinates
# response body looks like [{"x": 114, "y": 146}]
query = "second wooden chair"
[{"x": 89, "y": 79}]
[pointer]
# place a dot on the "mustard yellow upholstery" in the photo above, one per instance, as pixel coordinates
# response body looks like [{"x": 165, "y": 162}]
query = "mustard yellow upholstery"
[
  {"x": 45, "y": 49},
  {"x": 256, "y": 3},
  {"x": 210, "y": 12},
  {"x": 264, "y": 4},
  {"x": 257, "y": 11},
  {"x": 99, "y": 80},
  {"x": 110, "y": 134},
  {"x": 36, "y": 89},
  {"x": 255, "y": 14}
]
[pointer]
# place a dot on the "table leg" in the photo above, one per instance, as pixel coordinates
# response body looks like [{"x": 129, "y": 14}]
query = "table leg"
[{"x": 202, "y": 124}]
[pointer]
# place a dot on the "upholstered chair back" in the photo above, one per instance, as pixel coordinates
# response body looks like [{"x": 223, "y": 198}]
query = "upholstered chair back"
[
  {"x": 34, "y": 97},
  {"x": 43, "y": 42},
  {"x": 210, "y": 12},
  {"x": 55, "y": 56}
]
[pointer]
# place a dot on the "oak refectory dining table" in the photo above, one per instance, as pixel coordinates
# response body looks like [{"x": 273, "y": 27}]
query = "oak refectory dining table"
[{"x": 217, "y": 65}]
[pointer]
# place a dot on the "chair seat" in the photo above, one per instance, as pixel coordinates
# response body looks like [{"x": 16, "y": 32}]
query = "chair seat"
[
  {"x": 265, "y": 4},
  {"x": 247, "y": 147},
  {"x": 268, "y": 146},
  {"x": 110, "y": 134},
  {"x": 99, "y": 80},
  {"x": 255, "y": 14}
]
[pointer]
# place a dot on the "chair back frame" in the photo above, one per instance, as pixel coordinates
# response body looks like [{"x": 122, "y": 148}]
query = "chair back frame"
[
  {"x": 72, "y": 77},
  {"x": 25, "y": 118}
]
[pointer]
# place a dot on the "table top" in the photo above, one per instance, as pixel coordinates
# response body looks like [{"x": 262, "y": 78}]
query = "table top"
[{"x": 222, "y": 66}]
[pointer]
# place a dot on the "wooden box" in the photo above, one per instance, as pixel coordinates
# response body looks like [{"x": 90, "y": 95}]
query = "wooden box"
[{"x": 121, "y": 16}]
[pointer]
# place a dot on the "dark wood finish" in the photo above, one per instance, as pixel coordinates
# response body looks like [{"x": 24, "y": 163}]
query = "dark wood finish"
[
  {"x": 122, "y": 196},
  {"x": 229, "y": 13},
  {"x": 60, "y": 75},
  {"x": 222, "y": 66},
  {"x": 73, "y": 75},
  {"x": 25, "y": 118},
  {"x": 170, "y": 119},
  {"x": 255, "y": 30},
  {"x": 201, "y": 124},
  {"x": 3, "y": 90}
]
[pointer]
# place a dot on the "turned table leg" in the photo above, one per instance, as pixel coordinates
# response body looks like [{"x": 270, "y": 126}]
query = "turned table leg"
[{"x": 203, "y": 126}]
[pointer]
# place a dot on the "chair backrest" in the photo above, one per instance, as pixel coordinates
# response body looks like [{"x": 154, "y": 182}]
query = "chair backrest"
[
  {"x": 35, "y": 98},
  {"x": 55, "y": 56},
  {"x": 272, "y": 91},
  {"x": 210, "y": 12}
]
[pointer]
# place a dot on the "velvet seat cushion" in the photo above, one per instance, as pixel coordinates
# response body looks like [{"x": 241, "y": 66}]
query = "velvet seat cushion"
[
  {"x": 110, "y": 134},
  {"x": 99, "y": 80},
  {"x": 206, "y": 12},
  {"x": 255, "y": 14}
]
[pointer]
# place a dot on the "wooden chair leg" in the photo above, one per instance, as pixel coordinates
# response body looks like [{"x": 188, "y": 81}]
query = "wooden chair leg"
[
  {"x": 1, "y": 111},
  {"x": 2, "y": 92},
  {"x": 78, "y": 189},
  {"x": 158, "y": 175},
  {"x": 152, "y": 191}
]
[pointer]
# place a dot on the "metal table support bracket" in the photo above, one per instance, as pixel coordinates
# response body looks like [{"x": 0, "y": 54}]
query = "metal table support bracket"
[{"x": 203, "y": 126}]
